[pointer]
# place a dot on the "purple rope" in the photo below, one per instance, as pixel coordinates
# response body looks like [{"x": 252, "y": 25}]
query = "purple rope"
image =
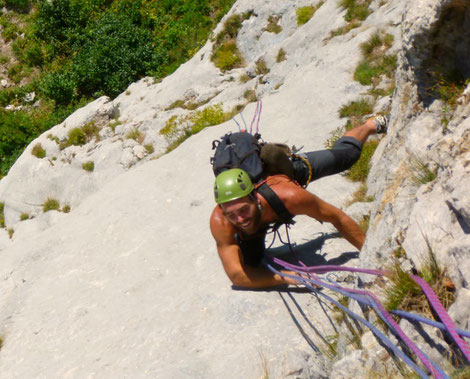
[
  {"x": 259, "y": 116},
  {"x": 424, "y": 320},
  {"x": 381, "y": 336},
  {"x": 443, "y": 315},
  {"x": 435, "y": 303},
  {"x": 388, "y": 318},
  {"x": 254, "y": 117}
]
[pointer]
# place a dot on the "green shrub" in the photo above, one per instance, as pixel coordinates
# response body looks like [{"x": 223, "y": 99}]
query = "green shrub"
[
  {"x": 250, "y": 95},
  {"x": 171, "y": 127},
  {"x": 304, "y": 14},
  {"x": 421, "y": 173},
  {"x": 149, "y": 147},
  {"x": 261, "y": 67},
  {"x": 24, "y": 216},
  {"x": 66, "y": 208},
  {"x": 50, "y": 205},
  {"x": 17, "y": 130},
  {"x": 353, "y": 24},
  {"x": 38, "y": 151},
  {"x": 76, "y": 137},
  {"x": 281, "y": 56},
  {"x": 356, "y": 108},
  {"x": 59, "y": 86},
  {"x": 91, "y": 131},
  {"x": 360, "y": 170},
  {"x": 9, "y": 31},
  {"x": 273, "y": 25},
  {"x": 4, "y": 59},
  {"x": 2, "y": 215},
  {"x": 376, "y": 45},
  {"x": 244, "y": 78},
  {"x": 213, "y": 115},
  {"x": 116, "y": 53},
  {"x": 18, "y": 5},
  {"x": 135, "y": 134},
  {"x": 17, "y": 72},
  {"x": 356, "y": 9},
  {"x": 88, "y": 166},
  {"x": 225, "y": 54}
]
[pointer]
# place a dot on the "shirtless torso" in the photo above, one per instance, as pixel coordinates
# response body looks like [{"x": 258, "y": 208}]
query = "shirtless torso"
[{"x": 251, "y": 214}]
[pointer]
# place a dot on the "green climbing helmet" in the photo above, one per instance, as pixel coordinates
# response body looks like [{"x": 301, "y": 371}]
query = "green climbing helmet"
[{"x": 231, "y": 185}]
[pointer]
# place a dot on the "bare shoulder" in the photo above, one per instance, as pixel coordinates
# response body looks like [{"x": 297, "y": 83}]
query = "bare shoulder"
[
  {"x": 295, "y": 198},
  {"x": 221, "y": 229}
]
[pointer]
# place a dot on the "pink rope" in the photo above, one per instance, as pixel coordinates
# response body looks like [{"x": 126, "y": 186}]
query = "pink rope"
[{"x": 434, "y": 301}]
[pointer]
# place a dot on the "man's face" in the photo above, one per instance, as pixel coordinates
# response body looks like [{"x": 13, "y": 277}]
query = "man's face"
[{"x": 243, "y": 213}]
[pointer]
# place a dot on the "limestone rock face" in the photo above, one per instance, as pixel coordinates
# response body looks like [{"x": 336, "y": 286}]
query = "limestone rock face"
[{"x": 124, "y": 280}]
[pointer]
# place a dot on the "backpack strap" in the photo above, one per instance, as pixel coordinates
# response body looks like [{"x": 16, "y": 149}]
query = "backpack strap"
[{"x": 276, "y": 204}]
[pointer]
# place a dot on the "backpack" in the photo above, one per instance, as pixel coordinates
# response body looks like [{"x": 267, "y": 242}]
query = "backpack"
[
  {"x": 259, "y": 159},
  {"x": 238, "y": 150},
  {"x": 248, "y": 152}
]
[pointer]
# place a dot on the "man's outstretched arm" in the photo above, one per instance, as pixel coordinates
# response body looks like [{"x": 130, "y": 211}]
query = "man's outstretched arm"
[
  {"x": 303, "y": 202},
  {"x": 239, "y": 273}
]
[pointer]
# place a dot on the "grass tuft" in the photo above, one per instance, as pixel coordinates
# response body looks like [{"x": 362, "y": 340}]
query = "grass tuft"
[
  {"x": 2, "y": 215},
  {"x": 360, "y": 170},
  {"x": 88, "y": 166},
  {"x": 421, "y": 173},
  {"x": 304, "y": 14},
  {"x": 38, "y": 151},
  {"x": 261, "y": 67},
  {"x": 356, "y": 9},
  {"x": 273, "y": 24},
  {"x": 50, "y": 205},
  {"x": 405, "y": 294},
  {"x": 281, "y": 56},
  {"x": 225, "y": 53}
]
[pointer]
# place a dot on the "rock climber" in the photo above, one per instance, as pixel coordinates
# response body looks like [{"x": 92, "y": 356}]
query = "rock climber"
[{"x": 241, "y": 219}]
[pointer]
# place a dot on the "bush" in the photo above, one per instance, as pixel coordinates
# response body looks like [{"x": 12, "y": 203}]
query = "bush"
[
  {"x": 227, "y": 56},
  {"x": 281, "y": 56},
  {"x": 38, "y": 151},
  {"x": 59, "y": 86},
  {"x": 261, "y": 67},
  {"x": 2, "y": 215},
  {"x": 18, "y": 5},
  {"x": 356, "y": 9},
  {"x": 88, "y": 166},
  {"x": 273, "y": 25},
  {"x": 24, "y": 216},
  {"x": 116, "y": 53},
  {"x": 50, "y": 205},
  {"x": 76, "y": 137},
  {"x": 356, "y": 108},
  {"x": 304, "y": 14},
  {"x": 225, "y": 53},
  {"x": 209, "y": 116},
  {"x": 17, "y": 130},
  {"x": 135, "y": 134}
]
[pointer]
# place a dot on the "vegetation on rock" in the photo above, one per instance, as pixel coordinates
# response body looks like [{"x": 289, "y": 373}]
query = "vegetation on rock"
[{"x": 68, "y": 52}]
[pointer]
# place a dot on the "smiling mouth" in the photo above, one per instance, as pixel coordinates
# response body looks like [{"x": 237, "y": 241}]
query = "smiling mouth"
[{"x": 246, "y": 224}]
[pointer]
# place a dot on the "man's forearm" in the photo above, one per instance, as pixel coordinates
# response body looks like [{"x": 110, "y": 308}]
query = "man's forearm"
[
  {"x": 350, "y": 230},
  {"x": 254, "y": 277}
]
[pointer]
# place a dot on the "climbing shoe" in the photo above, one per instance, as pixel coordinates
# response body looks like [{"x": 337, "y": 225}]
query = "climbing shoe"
[{"x": 381, "y": 122}]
